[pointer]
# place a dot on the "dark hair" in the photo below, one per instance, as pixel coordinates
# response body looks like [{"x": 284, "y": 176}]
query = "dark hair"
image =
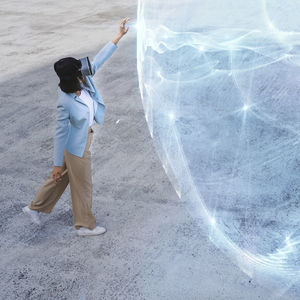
[
  {"x": 67, "y": 70},
  {"x": 71, "y": 85}
]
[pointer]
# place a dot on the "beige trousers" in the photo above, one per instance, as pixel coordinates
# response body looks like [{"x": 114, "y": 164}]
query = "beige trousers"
[{"x": 77, "y": 171}]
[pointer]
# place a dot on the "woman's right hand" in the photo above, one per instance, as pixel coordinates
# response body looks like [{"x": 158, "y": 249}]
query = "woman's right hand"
[
  {"x": 56, "y": 174},
  {"x": 123, "y": 30}
]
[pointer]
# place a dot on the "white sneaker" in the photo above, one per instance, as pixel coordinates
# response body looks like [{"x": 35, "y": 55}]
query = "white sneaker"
[
  {"x": 35, "y": 215},
  {"x": 85, "y": 231}
]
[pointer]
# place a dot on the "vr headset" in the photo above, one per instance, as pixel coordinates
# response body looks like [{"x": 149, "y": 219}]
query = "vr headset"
[
  {"x": 67, "y": 67},
  {"x": 86, "y": 68}
]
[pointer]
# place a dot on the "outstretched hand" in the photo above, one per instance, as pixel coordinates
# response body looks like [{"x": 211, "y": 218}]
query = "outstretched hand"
[{"x": 123, "y": 28}]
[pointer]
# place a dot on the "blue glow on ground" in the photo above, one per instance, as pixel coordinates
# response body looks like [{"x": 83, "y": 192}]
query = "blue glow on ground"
[{"x": 220, "y": 90}]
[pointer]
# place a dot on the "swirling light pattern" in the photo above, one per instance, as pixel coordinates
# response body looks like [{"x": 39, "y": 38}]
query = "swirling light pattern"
[{"x": 219, "y": 82}]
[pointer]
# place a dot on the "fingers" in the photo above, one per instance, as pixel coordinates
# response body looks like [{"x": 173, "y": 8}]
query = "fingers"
[
  {"x": 56, "y": 177},
  {"x": 124, "y": 21}
]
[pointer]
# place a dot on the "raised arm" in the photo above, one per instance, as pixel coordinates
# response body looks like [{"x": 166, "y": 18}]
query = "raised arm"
[{"x": 109, "y": 48}]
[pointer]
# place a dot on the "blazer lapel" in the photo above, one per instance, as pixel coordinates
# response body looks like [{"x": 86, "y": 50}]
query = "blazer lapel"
[
  {"x": 91, "y": 89},
  {"x": 87, "y": 88},
  {"x": 77, "y": 98}
]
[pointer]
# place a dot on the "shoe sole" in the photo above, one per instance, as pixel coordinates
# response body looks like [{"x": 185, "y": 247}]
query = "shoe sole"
[{"x": 89, "y": 234}]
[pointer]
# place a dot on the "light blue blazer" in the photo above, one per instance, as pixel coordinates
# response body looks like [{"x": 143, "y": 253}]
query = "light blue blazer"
[{"x": 73, "y": 114}]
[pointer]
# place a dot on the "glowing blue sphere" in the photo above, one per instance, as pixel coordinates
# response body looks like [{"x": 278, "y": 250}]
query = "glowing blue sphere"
[{"x": 220, "y": 85}]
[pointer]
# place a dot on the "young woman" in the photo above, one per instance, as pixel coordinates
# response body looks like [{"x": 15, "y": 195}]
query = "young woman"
[{"x": 79, "y": 105}]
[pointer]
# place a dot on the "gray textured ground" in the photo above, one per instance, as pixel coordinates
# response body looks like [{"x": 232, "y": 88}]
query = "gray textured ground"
[{"x": 153, "y": 249}]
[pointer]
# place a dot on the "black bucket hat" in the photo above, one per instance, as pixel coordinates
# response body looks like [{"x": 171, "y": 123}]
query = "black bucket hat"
[{"x": 68, "y": 68}]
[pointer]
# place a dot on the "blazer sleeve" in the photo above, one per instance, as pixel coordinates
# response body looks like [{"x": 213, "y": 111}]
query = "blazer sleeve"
[
  {"x": 102, "y": 56},
  {"x": 61, "y": 133}
]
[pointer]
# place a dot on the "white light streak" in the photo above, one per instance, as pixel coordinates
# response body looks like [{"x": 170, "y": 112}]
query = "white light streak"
[
  {"x": 245, "y": 107},
  {"x": 171, "y": 116}
]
